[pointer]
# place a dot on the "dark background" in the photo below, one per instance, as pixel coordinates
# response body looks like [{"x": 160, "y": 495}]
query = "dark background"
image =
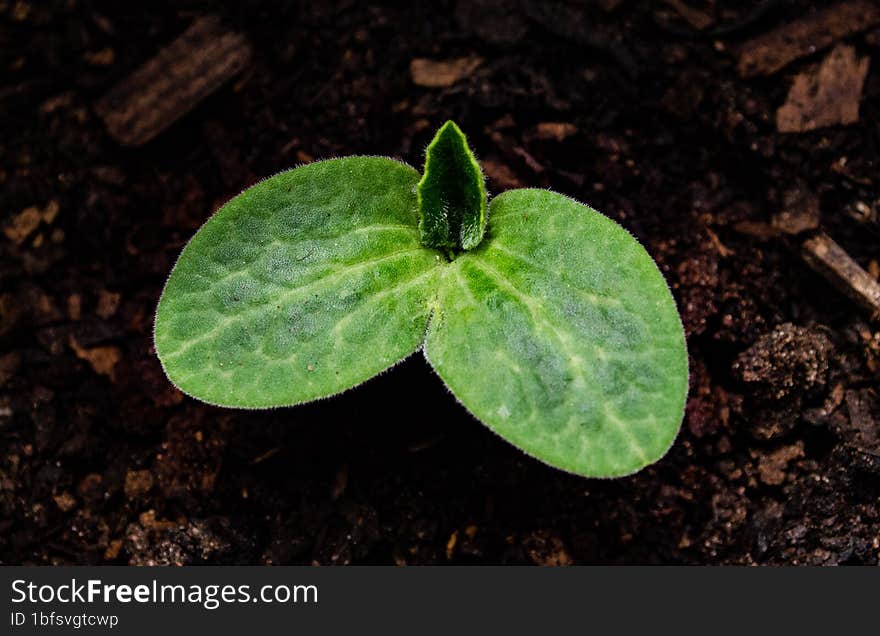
[{"x": 102, "y": 461}]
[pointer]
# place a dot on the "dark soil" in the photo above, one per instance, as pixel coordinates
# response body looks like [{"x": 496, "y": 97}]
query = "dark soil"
[{"x": 102, "y": 461}]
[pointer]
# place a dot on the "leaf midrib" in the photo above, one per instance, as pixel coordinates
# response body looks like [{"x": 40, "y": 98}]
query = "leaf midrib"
[
  {"x": 539, "y": 314},
  {"x": 287, "y": 294}
]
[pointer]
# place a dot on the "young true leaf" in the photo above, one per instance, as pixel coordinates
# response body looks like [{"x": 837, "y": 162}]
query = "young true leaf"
[
  {"x": 301, "y": 287},
  {"x": 561, "y": 335},
  {"x": 557, "y": 330},
  {"x": 452, "y": 193}
]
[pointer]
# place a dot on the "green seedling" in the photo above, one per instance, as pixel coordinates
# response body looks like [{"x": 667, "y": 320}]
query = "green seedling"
[{"x": 547, "y": 320}]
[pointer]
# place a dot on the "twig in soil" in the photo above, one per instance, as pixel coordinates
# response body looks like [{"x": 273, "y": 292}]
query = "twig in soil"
[
  {"x": 699, "y": 20},
  {"x": 720, "y": 247},
  {"x": 768, "y": 53},
  {"x": 264, "y": 456},
  {"x": 830, "y": 260},
  {"x": 167, "y": 87}
]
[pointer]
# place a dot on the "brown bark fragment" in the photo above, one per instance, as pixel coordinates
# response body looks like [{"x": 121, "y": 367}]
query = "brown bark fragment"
[
  {"x": 559, "y": 131},
  {"x": 167, "y": 87},
  {"x": 827, "y": 95},
  {"x": 442, "y": 73},
  {"x": 767, "y": 53},
  {"x": 103, "y": 359}
]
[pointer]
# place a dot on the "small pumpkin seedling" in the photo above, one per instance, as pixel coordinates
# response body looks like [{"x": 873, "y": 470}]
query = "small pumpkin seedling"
[{"x": 547, "y": 320}]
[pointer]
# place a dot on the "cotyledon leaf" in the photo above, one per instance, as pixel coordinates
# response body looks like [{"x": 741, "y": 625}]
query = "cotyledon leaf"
[
  {"x": 560, "y": 333},
  {"x": 304, "y": 285},
  {"x": 451, "y": 193}
]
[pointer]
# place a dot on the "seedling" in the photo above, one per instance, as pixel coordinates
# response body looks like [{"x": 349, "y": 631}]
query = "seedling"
[{"x": 546, "y": 319}]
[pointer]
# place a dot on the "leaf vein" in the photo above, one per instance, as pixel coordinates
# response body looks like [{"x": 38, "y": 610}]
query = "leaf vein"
[{"x": 286, "y": 295}]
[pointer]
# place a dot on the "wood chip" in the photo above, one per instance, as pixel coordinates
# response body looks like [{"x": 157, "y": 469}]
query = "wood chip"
[
  {"x": 113, "y": 550},
  {"x": 28, "y": 220},
  {"x": 559, "y": 131},
  {"x": 830, "y": 260},
  {"x": 65, "y": 501},
  {"x": 450, "y": 544},
  {"x": 171, "y": 84},
  {"x": 22, "y": 224},
  {"x": 103, "y": 360},
  {"x": 442, "y": 73},
  {"x": 108, "y": 303},
  {"x": 825, "y": 96},
  {"x": 772, "y": 51}
]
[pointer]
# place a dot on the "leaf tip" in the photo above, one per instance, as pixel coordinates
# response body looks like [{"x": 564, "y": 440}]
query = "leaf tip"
[{"x": 452, "y": 192}]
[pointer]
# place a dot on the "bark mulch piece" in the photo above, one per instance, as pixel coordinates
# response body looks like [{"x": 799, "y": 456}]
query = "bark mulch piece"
[
  {"x": 772, "y": 51},
  {"x": 171, "y": 84},
  {"x": 828, "y": 95}
]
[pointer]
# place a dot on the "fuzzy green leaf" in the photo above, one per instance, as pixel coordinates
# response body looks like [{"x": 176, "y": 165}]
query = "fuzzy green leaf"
[
  {"x": 451, "y": 194},
  {"x": 301, "y": 287},
  {"x": 561, "y": 335}
]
